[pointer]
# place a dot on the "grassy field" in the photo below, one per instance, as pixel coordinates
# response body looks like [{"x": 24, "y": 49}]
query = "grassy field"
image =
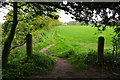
[
  {"x": 71, "y": 42},
  {"x": 80, "y": 38},
  {"x": 79, "y": 44}
]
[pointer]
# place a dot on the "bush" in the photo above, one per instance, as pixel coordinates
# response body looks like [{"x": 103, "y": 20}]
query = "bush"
[
  {"x": 65, "y": 54},
  {"x": 39, "y": 64},
  {"x": 78, "y": 60},
  {"x": 82, "y": 59},
  {"x": 91, "y": 57}
]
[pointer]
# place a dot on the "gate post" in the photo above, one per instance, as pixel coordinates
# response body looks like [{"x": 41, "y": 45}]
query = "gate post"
[
  {"x": 29, "y": 46},
  {"x": 100, "y": 49}
]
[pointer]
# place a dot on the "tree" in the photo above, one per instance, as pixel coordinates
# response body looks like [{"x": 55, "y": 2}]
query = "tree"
[
  {"x": 7, "y": 44},
  {"x": 25, "y": 27},
  {"x": 82, "y": 11}
]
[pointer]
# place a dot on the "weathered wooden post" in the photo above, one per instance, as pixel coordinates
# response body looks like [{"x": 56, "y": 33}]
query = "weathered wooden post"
[
  {"x": 29, "y": 46},
  {"x": 100, "y": 49}
]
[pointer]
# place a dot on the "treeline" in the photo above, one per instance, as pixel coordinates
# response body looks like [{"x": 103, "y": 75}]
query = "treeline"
[
  {"x": 77, "y": 23},
  {"x": 82, "y": 23}
]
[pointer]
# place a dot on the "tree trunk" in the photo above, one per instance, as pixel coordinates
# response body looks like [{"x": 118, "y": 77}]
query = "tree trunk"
[{"x": 7, "y": 45}]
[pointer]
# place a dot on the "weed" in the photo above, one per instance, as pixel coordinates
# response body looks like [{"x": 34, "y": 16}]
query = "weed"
[{"x": 39, "y": 64}]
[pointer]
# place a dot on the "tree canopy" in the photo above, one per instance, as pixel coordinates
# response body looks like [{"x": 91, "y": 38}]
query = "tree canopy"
[{"x": 82, "y": 11}]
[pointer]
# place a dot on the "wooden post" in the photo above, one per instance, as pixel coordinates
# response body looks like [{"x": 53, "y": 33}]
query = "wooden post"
[
  {"x": 100, "y": 49},
  {"x": 29, "y": 45}
]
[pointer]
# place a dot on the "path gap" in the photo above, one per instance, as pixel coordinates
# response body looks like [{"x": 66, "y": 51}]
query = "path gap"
[{"x": 63, "y": 69}]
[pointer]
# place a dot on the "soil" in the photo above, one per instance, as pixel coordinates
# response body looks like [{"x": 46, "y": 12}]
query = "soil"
[
  {"x": 44, "y": 49},
  {"x": 63, "y": 69}
]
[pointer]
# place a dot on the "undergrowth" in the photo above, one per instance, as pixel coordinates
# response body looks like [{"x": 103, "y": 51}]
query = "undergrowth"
[
  {"x": 81, "y": 60},
  {"x": 77, "y": 60},
  {"x": 19, "y": 67}
]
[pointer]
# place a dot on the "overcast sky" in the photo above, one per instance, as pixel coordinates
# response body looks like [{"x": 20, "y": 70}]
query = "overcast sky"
[
  {"x": 63, "y": 17},
  {"x": 3, "y": 12}
]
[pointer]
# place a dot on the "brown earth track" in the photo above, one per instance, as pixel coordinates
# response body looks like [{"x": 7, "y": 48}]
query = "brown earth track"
[{"x": 63, "y": 69}]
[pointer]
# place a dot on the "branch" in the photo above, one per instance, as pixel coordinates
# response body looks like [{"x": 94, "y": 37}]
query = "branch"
[
  {"x": 21, "y": 5},
  {"x": 17, "y": 46}
]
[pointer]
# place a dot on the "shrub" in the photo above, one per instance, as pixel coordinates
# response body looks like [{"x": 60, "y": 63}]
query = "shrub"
[{"x": 39, "y": 64}]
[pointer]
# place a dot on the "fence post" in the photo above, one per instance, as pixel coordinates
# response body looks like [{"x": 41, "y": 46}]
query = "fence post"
[
  {"x": 100, "y": 49},
  {"x": 29, "y": 46}
]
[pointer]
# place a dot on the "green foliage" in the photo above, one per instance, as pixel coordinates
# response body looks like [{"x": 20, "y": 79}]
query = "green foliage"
[
  {"x": 27, "y": 25},
  {"x": 116, "y": 39},
  {"x": 116, "y": 74},
  {"x": 82, "y": 59},
  {"x": 78, "y": 44},
  {"x": 44, "y": 22},
  {"x": 78, "y": 61},
  {"x": 22, "y": 29},
  {"x": 91, "y": 57},
  {"x": 19, "y": 67},
  {"x": 110, "y": 62},
  {"x": 39, "y": 64},
  {"x": 74, "y": 58},
  {"x": 64, "y": 54},
  {"x": 43, "y": 39}
]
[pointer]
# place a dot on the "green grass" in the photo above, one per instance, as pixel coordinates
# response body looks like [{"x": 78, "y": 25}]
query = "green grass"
[
  {"x": 79, "y": 44},
  {"x": 42, "y": 38},
  {"x": 75, "y": 36},
  {"x": 19, "y": 67},
  {"x": 76, "y": 43},
  {"x": 73, "y": 42}
]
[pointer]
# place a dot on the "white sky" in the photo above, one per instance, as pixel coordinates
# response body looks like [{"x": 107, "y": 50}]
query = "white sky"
[
  {"x": 3, "y": 12},
  {"x": 63, "y": 17}
]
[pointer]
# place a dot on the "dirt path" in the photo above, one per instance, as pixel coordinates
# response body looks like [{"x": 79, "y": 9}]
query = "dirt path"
[
  {"x": 63, "y": 69},
  {"x": 44, "y": 49}
]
